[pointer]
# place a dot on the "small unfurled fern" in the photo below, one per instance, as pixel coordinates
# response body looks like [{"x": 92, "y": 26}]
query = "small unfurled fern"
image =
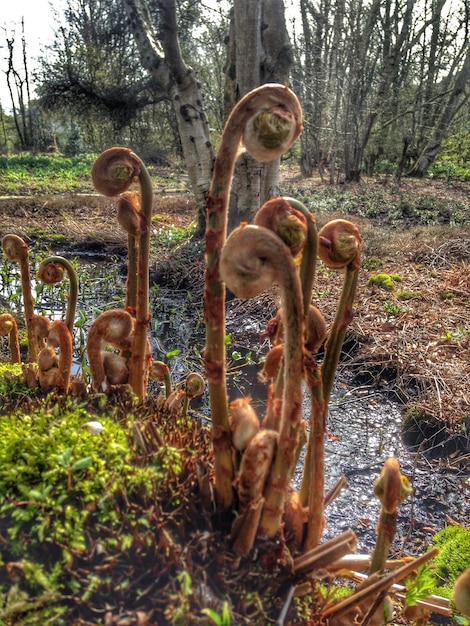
[{"x": 420, "y": 586}]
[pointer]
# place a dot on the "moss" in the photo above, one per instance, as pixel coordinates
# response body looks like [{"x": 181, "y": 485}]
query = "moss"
[
  {"x": 408, "y": 295},
  {"x": 41, "y": 233},
  {"x": 9, "y": 370},
  {"x": 67, "y": 478},
  {"x": 453, "y": 558},
  {"x": 384, "y": 281},
  {"x": 419, "y": 427},
  {"x": 372, "y": 264},
  {"x": 12, "y": 381}
]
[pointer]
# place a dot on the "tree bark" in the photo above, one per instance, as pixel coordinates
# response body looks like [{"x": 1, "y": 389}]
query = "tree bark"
[
  {"x": 455, "y": 100},
  {"x": 161, "y": 55},
  {"x": 259, "y": 52}
]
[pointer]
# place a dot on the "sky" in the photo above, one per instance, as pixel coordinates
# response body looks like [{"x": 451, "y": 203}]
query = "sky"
[{"x": 39, "y": 30}]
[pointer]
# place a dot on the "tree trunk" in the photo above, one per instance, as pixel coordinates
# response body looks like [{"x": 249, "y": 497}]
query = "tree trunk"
[
  {"x": 455, "y": 100},
  {"x": 277, "y": 60},
  {"x": 161, "y": 55},
  {"x": 259, "y": 52}
]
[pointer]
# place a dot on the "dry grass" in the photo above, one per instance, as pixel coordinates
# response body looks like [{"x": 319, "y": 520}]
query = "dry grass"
[
  {"x": 416, "y": 338},
  {"x": 83, "y": 219}
]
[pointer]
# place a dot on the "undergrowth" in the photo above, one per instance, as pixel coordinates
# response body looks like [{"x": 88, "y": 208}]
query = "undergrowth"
[{"x": 89, "y": 495}]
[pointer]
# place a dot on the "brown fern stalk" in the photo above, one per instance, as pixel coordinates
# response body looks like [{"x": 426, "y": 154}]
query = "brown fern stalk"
[
  {"x": 368, "y": 592},
  {"x": 113, "y": 173},
  {"x": 17, "y": 250},
  {"x": 8, "y": 326},
  {"x": 134, "y": 222},
  {"x": 313, "y": 478},
  {"x": 266, "y": 122},
  {"x": 293, "y": 227},
  {"x": 391, "y": 488},
  {"x": 339, "y": 248},
  {"x": 140, "y": 361},
  {"x": 283, "y": 221},
  {"x": 54, "y": 372},
  {"x": 252, "y": 259}
]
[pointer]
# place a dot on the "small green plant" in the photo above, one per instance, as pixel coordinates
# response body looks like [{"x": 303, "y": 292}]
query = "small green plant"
[
  {"x": 219, "y": 619},
  {"x": 392, "y": 308},
  {"x": 408, "y": 295},
  {"x": 322, "y": 294},
  {"x": 455, "y": 336},
  {"x": 372, "y": 264},
  {"x": 169, "y": 236},
  {"x": 421, "y": 585},
  {"x": 179, "y": 609}
]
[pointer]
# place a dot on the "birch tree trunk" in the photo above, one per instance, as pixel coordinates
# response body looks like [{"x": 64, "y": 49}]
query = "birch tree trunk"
[
  {"x": 259, "y": 52},
  {"x": 161, "y": 55}
]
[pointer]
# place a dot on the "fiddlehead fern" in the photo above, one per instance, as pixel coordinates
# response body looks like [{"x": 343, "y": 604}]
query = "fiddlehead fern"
[
  {"x": 115, "y": 170},
  {"x": 339, "y": 248},
  {"x": 113, "y": 173},
  {"x": 391, "y": 488},
  {"x": 287, "y": 222},
  {"x": 252, "y": 259},
  {"x": 134, "y": 222},
  {"x": 244, "y": 423},
  {"x": 265, "y": 122},
  {"x": 53, "y": 371},
  {"x": 116, "y": 329},
  {"x": 50, "y": 272},
  {"x": 296, "y": 226},
  {"x": 8, "y": 326},
  {"x": 16, "y": 249},
  {"x": 194, "y": 386}
]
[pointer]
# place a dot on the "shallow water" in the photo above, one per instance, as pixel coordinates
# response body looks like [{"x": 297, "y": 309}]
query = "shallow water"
[{"x": 369, "y": 431}]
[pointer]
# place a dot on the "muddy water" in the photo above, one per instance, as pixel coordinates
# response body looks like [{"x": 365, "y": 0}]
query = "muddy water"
[
  {"x": 363, "y": 423},
  {"x": 368, "y": 426}
]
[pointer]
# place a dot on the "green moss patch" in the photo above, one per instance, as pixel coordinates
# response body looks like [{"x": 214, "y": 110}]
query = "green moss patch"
[
  {"x": 453, "y": 558},
  {"x": 384, "y": 281}
]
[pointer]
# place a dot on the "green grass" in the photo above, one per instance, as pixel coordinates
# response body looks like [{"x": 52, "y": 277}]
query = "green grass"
[
  {"x": 26, "y": 174},
  {"x": 32, "y": 174}
]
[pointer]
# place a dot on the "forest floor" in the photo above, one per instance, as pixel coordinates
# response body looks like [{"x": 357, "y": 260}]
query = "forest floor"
[
  {"x": 410, "y": 332},
  {"x": 409, "y": 337}
]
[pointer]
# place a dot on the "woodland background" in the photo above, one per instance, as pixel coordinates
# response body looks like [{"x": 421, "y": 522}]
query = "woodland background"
[{"x": 383, "y": 83}]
